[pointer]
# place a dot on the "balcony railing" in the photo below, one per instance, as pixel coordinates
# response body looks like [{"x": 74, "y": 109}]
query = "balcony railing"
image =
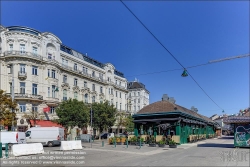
[
  {"x": 22, "y": 74},
  {"x": 23, "y": 53},
  {"x": 27, "y": 96}
]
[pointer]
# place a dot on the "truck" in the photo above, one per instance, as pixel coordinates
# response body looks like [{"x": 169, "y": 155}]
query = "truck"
[
  {"x": 10, "y": 138},
  {"x": 48, "y": 136}
]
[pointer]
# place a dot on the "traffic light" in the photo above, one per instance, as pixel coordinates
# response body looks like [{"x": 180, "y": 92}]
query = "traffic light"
[{"x": 184, "y": 74}]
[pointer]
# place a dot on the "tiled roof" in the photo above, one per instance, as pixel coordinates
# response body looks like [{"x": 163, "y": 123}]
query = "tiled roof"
[
  {"x": 44, "y": 123},
  {"x": 136, "y": 85},
  {"x": 166, "y": 106}
]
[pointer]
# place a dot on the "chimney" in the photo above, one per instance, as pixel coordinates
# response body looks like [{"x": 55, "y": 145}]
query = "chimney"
[
  {"x": 165, "y": 97},
  {"x": 171, "y": 100},
  {"x": 194, "y": 109}
]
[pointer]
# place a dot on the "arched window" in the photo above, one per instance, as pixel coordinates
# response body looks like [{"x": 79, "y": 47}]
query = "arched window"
[{"x": 86, "y": 98}]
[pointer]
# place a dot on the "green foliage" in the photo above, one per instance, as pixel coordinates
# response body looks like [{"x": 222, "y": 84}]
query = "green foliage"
[
  {"x": 103, "y": 116},
  {"x": 6, "y": 107},
  {"x": 141, "y": 139},
  {"x": 171, "y": 142},
  {"x": 152, "y": 140},
  {"x": 120, "y": 120},
  {"x": 73, "y": 113},
  {"x": 161, "y": 142},
  {"x": 129, "y": 123},
  {"x": 133, "y": 139}
]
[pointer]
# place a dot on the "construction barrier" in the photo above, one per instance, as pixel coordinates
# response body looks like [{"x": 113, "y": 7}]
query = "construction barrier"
[
  {"x": 71, "y": 145},
  {"x": 27, "y": 149}
]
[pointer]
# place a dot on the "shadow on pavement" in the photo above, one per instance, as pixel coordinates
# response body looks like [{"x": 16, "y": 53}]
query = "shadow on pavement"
[
  {"x": 216, "y": 145},
  {"x": 227, "y": 137}
]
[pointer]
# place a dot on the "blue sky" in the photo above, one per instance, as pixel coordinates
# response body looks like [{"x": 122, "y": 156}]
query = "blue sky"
[{"x": 194, "y": 32}]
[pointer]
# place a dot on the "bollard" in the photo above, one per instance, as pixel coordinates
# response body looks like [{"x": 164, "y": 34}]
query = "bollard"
[
  {"x": 6, "y": 150},
  {"x": 115, "y": 143},
  {"x": 102, "y": 143},
  {"x": 127, "y": 142},
  {"x": 1, "y": 153}
]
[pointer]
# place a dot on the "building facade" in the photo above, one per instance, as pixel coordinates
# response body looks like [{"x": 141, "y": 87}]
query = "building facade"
[
  {"x": 46, "y": 72},
  {"x": 138, "y": 96}
]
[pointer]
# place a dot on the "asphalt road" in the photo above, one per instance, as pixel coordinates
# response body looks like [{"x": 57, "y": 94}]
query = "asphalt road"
[{"x": 211, "y": 152}]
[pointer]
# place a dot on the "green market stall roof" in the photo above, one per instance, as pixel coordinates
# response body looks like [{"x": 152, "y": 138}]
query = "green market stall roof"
[
  {"x": 165, "y": 107},
  {"x": 236, "y": 120}
]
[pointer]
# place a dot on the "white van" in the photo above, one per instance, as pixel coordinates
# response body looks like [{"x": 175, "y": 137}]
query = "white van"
[
  {"x": 10, "y": 138},
  {"x": 48, "y": 136}
]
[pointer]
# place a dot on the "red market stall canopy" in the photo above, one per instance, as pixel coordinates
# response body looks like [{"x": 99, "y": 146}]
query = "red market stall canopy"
[
  {"x": 45, "y": 123},
  {"x": 236, "y": 120}
]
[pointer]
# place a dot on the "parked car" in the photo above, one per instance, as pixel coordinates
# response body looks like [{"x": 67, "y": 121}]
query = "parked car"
[
  {"x": 11, "y": 138},
  {"x": 48, "y": 136}
]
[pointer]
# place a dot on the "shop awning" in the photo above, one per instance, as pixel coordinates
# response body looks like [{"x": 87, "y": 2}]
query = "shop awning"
[
  {"x": 45, "y": 123},
  {"x": 236, "y": 120}
]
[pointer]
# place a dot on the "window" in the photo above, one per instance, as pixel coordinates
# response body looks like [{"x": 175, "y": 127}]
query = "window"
[
  {"x": 50, "y": 56},
  {"x": 126, "y": 107},
  {"x": 93, "y": 87},
  {"x": 34, "y": 49},
  {"x": 116, "y": 82},
  {"x": 11, "y": 47},
  {"x": 22, "y": 107},
  {"x": 75, "y": 67},
  {"x": 75, "y": 95},
  {"x": 22, "y": 68},
  {"x": 125, "y": 96},
  {"x": 64, "y": 94},
  {"x": 86, "y": 70},
  {"x": 52, "y": 110},
  {"x": 134, "y": 108},
  {"x": 83, "y": 69},
  {"x": 120, "y": 106},
  {"x": 115, "y": 93},
  {"x": 53, "y": 73},
  {"x": 34, "y": 89},
  {"x": 48, "y": 91},
  {"x": 120, "y": 95},
  {"x": 138, "y": 107},
  {"x": 120, "y": 83},
  {"x": 65, "y": 79},
  {"x": 34, "y": 70},
  {"x": 22, "y": 48},
  {"x": 75, "y": 82},
  {"x": 138, "y": 93},
  {"x": 53, "y": 91},
  {"x": 134, "y": 100},
  {"x": 34, "y": 108},
  {"x": 134, "y": 94},
  {"x": 101, "y": 89},
  {"x": 86, "y": 98},
  {"x": 111, "y": 91},
  {"x": 101, "y": 75},
  {"x": 101, "y": 100},
  {"x": 112, "y": 102},
  {"x": 22, "y": 87},
  {"x": 48, "y": 72},
  {"x": 138, "y": 100},
  {"x": 93, "y": 73},
  {"x": 93, "y": 99},
  {"x": 85, "y": 84},
  {"x": 116, "y": 105}
]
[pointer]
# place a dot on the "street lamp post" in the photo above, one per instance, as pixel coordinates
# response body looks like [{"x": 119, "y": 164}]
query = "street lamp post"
[{"x": 91, "y": 124}]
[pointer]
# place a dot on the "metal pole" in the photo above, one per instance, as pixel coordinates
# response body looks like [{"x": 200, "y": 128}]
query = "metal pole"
[
  {"x": 13, "y": 95},
  {"x": 91, "y": 125}
]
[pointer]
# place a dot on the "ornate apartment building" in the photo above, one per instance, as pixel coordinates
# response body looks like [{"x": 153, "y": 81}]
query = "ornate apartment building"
[
  {"x": 46, "y": 72},
  {"x": 138, "y": 96}
]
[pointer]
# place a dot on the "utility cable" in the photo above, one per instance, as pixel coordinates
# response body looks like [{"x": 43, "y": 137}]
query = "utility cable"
[{"x": 167, "y": 50}]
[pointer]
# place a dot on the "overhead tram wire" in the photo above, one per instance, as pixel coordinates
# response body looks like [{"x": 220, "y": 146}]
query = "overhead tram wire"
[
  {"x": 168, "y": 51},
  {"x": 198, "y": 65}
]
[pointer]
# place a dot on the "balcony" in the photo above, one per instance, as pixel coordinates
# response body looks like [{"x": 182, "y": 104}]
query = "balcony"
[
  {"x": 27, "y": 96},
  {"x": 22, "y": 75},
  {"x": 16, "y": 53},
  {"x": 52, "y": 100}
]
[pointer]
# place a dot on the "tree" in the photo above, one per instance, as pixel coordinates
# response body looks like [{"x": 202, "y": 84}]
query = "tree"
[
  {"x": 129, "y": 123},
  {"x": 7, "y": 106},
  {"x": 32, "y": 116},
  {"x": 103, "y": 116},
  {"x": 120, "y": 120},
  {"x": 73, "y": 113}
]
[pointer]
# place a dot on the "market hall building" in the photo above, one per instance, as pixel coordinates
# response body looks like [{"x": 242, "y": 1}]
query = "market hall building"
[{"x": 165, "y": 118}]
